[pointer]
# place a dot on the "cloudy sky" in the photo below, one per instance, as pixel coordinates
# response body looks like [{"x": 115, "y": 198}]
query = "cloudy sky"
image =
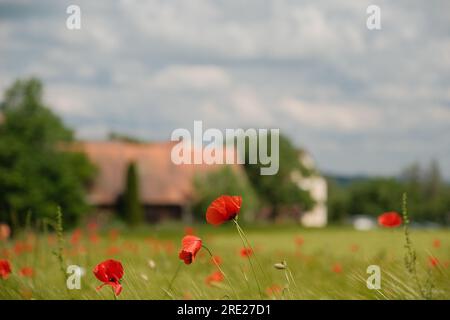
[{"x": 361, "y": 101}]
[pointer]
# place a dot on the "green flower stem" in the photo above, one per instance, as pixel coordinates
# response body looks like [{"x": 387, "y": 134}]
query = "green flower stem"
[
  {"x": 220, "y": 269},
  {"x": 173, "y": 280},
  {"x": 246, "y": 244}
]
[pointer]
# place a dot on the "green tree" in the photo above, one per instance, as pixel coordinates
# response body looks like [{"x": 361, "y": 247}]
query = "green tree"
[
  {"x": 338, "y": 202},
  {"x": 375, "y": 196},
  {"x": 132, "y": 209},
  {"x": 433, "y": 180},
  {"x": 280, "y": 190},
  {"x": 38, "y": 172}
]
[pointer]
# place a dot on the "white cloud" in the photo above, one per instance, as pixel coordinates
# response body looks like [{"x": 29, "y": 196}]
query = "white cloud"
[
  {"x": 69, "y": 101},
  {"x": 249, "y": 109},
  {"x": 286, "y": 29},
  {"x": 199, "y": 77},
  {"x": 347, "y": 118}
]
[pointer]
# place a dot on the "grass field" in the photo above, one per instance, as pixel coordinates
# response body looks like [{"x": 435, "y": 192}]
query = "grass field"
[{"x": 325, "y": 264}]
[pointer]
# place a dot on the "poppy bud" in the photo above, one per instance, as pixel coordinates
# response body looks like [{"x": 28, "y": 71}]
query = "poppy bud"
[{"x": 280, "y": 265}]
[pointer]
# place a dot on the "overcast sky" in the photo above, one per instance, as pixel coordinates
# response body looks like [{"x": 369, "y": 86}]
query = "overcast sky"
[{"x": 361, "y": 101}]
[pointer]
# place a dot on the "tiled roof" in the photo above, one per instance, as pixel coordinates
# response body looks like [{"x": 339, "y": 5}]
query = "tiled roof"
[{"x": 161, "y": 181}]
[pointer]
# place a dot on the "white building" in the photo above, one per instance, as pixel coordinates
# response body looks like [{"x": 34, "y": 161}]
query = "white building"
[{"x": 317, "y": 187}]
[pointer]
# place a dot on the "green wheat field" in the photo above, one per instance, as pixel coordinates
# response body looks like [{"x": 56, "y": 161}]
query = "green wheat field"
[{"x": 321, "y": 263}]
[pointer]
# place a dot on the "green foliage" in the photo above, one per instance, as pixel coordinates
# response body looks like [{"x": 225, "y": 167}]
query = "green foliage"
[
  {"x": 338, "y": 202},
  {"x": 375, "y": 196},
  {"x": 224, "y": 181},
  {"x": 132, "y": 209},
  {"x": 427, "y": 194},
  {"x": 36, "y": 173},
  {"x": 279, "y": 190}
]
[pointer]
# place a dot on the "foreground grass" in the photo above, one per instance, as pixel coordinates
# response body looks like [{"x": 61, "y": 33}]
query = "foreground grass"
[{"x": 325, "y": 264}]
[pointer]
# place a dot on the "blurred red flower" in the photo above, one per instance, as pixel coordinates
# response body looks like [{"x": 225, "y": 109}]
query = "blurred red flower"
[
  {"x": 94, "y": 238},
  {"x": 5, "y": 269},
  {"x": 112, "y": 251},
  {"x": 189, "y": 231},
  {"x": 92, "y": 226},
  {"x": 110, "y": 272},
  {"x": 299, "y": 241},
  {"x": 433, "y": 261},
  {"x": 5, "y": 253},
  {"x": 26, "y": 272},
  {"x": 223, "y": 209},
  {"x": 436, "y": 243},
  {"x": 113, "y": 234},
  {"x": 354, "y": 248},
  {"x": 169, "y": 247},
  {"x": 390, "y": 219},
  {"x": 21, "y": 247},
  {"x": 216, "y": 260},
  {"x": 187, "y": 296},
  {"x": 51, "y": 239},
  {"x": 190, "y": 245},
  {"x": 273, "y": 290},
  {"x": 246, "y": 252},
  {"x": 216, "y": 276},
  {"x": 5, "y": 231},
  {"x": 76, "y": 236},
  {"x": 337, "y": 268}
]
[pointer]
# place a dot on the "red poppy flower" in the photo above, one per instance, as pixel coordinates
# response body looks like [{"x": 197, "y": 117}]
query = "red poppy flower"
[
  {"x": 214, "y": 277},
  {"x": 94, "y": 238},
  {"x": 5, "y": 269},
  {"x": 299, "y": 241},
  {"x": 187, "y": 296},
  {"x": 223, "y": 209},
  {"x": 189, "y": 231},
  {"x": 92, "y": 226},
  {"x": 433, "y": 261},
  {"x": 26, "y": 272},
  {"x": 437, "y": 243},
  {"x": 76, "y": 236},
  {"x": 5, "y": 253},
  {"x": 390, "y": 219},
  {"x": 190, "y": 245},
  {"x": 113, "y": 234},
  {"x": 216, "y": 260},
  {"x": 110, "y": 272},
  {"x": 273, "y": 290},
  {"x": 5, "y": 231},
  {"x": 246, "y": 252},
  {"x": 112, "y": 251},
  {"x": 21, "y": 247},
  {"x": 337, "y": 268}
]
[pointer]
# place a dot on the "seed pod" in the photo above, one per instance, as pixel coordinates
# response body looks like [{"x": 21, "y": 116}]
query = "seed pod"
[{"x": 280, "y": 266}]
